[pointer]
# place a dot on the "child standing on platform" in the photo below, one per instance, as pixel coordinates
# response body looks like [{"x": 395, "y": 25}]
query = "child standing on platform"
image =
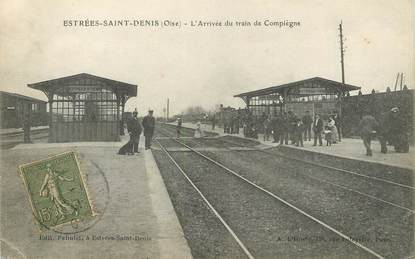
[{"x": 328, "y": 135}]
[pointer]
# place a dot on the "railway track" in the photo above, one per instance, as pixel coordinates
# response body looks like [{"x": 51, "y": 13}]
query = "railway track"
[
  {"x": 10, "y": 140},
  {"x": 340, "y": 170},
  {"x": 262, "y": 190},
  {"x": 320, "y": 165},
  {"x": 334, "y": 169}
]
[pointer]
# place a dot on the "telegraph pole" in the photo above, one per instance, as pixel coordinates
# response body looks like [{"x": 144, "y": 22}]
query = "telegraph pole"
[
  {"x": 396, "y": 82},
  {"x": 341, "y": 50},
  {"x": 342, "y": 64}
]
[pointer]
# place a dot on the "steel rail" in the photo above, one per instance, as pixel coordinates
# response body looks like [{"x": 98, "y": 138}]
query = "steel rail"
[
  {"x": 329, "y": 182},
  {"x": 328, "y": 167},
  {"x": 241, "y": 245},
  {"x": 332, "y": 229},
  {"x": 363, "y": 194}
]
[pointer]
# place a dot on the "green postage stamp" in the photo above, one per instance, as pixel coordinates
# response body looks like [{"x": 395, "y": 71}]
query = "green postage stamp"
[{"x": 57, "y": 191}]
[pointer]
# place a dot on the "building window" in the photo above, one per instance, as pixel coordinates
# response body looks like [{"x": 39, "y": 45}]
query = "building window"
[
  {"x": 35, "y": 106},
  {"x": 92, "y": 106}
]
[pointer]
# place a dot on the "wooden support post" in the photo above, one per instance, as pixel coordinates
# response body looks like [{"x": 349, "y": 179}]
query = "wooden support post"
[
  {"x": 123, "y": 101},
  {"x": 51, "y": 128}
]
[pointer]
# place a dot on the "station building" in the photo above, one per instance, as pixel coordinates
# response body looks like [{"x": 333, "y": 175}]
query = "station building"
[
  {"x": 15, "y": 108},
  {"x": 317, "y": 95},
  {"x": 85, "y": 107}
]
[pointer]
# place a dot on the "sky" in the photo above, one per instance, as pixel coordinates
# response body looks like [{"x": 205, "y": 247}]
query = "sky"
[{"x": 205, "y": 66}]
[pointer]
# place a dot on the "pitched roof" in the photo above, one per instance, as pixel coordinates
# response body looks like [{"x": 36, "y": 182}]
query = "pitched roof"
[
  {"x": 22, "y": 97},
  {"x": 279, "y": 88},
  {"x": 46, "y": 85}
]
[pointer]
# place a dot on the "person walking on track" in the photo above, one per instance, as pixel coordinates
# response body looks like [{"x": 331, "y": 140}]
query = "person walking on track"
[
  {"x": 179, "y": 127},
  {"x": 148, "y": 125}
]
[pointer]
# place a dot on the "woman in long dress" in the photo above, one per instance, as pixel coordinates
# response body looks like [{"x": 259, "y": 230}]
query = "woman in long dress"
[{"x": 333, "y": 128}]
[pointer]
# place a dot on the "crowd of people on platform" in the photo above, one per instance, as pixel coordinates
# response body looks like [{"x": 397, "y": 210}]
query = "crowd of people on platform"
[
  {"x": 391, "y": 128},
  {"x": 288, "y": 128},
  {"x": 232, "y": 125}
]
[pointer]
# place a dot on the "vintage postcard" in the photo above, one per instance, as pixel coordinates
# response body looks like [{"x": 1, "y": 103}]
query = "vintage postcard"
[{"x": 207, "y": 129}]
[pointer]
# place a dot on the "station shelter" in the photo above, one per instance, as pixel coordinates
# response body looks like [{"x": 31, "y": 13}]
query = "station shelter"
[
  {"x": 316, "y": 95},
  {"x": 85, "y": 107}
]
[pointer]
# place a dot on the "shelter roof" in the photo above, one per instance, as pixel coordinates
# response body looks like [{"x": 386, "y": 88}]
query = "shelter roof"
[
  {"x": 316, "y": 80},
  {"x": 86, "y": 80}
]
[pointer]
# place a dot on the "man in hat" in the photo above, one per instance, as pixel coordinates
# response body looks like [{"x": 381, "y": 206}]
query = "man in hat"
[
  {"x": 26, "y": 129},
  {"x": 399, "y": 131},
  {"x": 285, "y": 125},
  {"x": 384, "y": 132},
  {"x": 317, "y": 129},
  {"x": 308, "y": 122},
  {"x": 298, "y": 133},
  {"x": 134, "y": 129},
  {"x": 368, "y": 126},
  {"x": 148, "y": 125}
]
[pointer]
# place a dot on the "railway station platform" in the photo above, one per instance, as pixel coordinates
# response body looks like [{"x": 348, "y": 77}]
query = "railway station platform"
[
  {"x": 349, "y": 148},
  {"x": 133, "y": 202}
]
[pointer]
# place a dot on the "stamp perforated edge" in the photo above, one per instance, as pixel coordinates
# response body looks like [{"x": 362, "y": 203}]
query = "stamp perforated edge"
[{"x": 82, "y": 179}]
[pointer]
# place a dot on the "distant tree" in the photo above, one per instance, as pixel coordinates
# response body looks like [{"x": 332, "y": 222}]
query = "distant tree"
[
  {"x": 388, "y": 90},
  {"x": 373, "y": 91},
  {"x": 194, "y": 110},
  {"x": 194, "y": 113},
  {"x": 359, "y": 93},
  {"x": 405, "y": 88}
]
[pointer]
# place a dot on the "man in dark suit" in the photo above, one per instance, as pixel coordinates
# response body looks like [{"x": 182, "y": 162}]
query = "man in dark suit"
[
  {"x": 148, "y": 125},
  {"x": 179, "y": 127},
  {"x": 298, "y": 132},
  {"x": 307, "y": 121},
  {"x": 26, "y": 129},
  {"x": 285, "y": 125},
  {"x": 292, "y": 121},
  {"x": 367, "y": 128},
  {"x": 317, "y": 129},
  {"x": 384, "y": 131},
  {"x": 399, "y": 131},
  {"x": 276, "y": 124},
  {"x": 134, "y": 129}
]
